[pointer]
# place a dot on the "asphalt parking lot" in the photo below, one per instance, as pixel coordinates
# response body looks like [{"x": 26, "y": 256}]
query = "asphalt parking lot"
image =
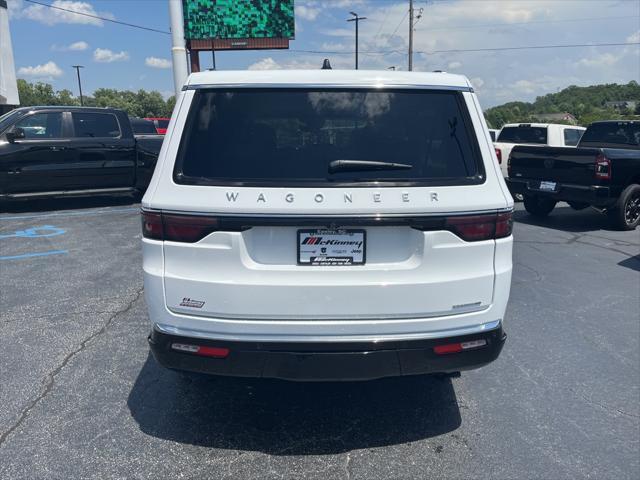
[{"x": 80, "y": 396}]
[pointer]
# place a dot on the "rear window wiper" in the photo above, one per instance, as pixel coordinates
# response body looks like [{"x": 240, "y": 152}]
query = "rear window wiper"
[{"x": 361, "y": 165}]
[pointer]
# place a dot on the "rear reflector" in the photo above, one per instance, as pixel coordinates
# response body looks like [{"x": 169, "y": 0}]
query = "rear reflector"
[
  {"x": 459, "y": 347},
  {"x": 215, "y": 352}
]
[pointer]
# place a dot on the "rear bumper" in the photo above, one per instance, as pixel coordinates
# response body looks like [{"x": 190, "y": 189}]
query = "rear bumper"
[
  {"x": 596, "y": 195},
  {"x": 327, "y": 361}
]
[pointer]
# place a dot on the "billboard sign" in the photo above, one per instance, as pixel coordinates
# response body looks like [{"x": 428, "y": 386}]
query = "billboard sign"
[{"x": 238, "y": 19}]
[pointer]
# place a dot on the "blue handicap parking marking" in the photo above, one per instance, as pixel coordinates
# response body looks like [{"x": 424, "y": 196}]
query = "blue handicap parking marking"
[
  {"x": 36, "y": 232},
  {"x": 43, "y": 231}
]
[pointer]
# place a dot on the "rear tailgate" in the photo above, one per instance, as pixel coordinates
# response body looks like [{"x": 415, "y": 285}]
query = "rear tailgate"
[{"x": 557, "y": 164}]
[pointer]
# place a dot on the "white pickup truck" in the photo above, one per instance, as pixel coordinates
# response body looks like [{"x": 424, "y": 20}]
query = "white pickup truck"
[{"x": 544, "y": 134}]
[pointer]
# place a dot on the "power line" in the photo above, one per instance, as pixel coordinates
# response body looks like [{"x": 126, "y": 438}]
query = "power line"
[
  {"x": 461, "y": 50},
  {"x": 460, "y": 27},
  {"x": 98, "y": 17},
  {"x": 533, "y": 47},
  {"x": 400, "y": 23}
]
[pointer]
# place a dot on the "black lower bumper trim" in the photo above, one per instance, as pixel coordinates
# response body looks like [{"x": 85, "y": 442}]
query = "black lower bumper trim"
[
  {"x": 596, "y": 195},
  {"x": 327, "y": 361}
]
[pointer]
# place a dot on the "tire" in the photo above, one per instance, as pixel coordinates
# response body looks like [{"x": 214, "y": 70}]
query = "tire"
[
  {"x": 538, "y": 206},
  {"x": 625, "y": 215}
]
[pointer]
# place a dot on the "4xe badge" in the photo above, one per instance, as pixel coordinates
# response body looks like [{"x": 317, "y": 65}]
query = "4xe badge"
[{"x": 187, "y": 302}]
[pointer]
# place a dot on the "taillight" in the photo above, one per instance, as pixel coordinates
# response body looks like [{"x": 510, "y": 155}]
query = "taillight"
[
  {"x": 498, "y": 154},
  {"x": 603, "y": 167},
  {"x": 177, "y": 228},
  {"x": 152, "y": 225},
  {"x": 189, "y": 229},
  {"x": 474, "y": 228}
]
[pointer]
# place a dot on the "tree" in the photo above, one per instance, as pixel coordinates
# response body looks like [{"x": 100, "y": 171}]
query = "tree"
[
  {"x": 138, "y": 104},
  {"x": 587, "y": 104}
]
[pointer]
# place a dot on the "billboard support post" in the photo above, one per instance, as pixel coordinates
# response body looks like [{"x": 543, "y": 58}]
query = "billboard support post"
[
  {"x": 178, "y": 50},
  {"x": 194, "y": 57}
]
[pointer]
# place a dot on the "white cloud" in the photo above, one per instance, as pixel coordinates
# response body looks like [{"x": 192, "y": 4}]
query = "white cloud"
[
  {"x": 104, "y": 55},
  {"x": 634, "y": 37},
  {"x": 265, "y": 64},
  {"x": 73, "y": 47},
  {"x": 155, "y": 62},
  {"x": 602, "y": 60},
  {"x": 525, "y": 86},
  {"x": 477, "y": 82},
  {"x": 52, "y": 16},
  {"x": 307, "y": 13},
  {"x": 46, "y": 70},
  {"x": 334, "y": 47},
  {"x": 454, "y": 65}
]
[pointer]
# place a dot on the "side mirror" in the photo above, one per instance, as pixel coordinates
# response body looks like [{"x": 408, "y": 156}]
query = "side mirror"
[{"x": 15, "y": 134}]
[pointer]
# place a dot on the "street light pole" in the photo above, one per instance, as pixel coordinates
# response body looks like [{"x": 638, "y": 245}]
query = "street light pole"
[
  {"x": 357, "y": 20},
  {"x": 78, "y": 67}
]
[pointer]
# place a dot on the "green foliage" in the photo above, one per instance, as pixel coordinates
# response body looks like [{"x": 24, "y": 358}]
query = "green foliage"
[
  {"x": 137, "y": 104},
  {"x": 587, "y": 104}
]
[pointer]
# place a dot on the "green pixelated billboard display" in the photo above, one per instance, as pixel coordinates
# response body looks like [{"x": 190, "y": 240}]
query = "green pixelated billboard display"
[{"x": 220, "y": 19}]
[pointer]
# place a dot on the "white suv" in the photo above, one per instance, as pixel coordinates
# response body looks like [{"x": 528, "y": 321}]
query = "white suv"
[{"x": 327, "y": 225}]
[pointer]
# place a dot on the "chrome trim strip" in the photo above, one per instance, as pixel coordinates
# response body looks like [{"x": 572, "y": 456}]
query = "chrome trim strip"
[
  {"x": 328, "y": 85},
  {"x": 454, "y": 332},
  {"x": 319, "y": 319}
]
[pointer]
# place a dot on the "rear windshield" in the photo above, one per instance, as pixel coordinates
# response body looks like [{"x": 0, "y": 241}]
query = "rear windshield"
[
  {"x": 141, "y": 127},
  {"x": 623, "y": 134},
  {"x": 291, "y": 136},
  {"x": 523, "y": 134},
  {"x": 162, "y": 123}
]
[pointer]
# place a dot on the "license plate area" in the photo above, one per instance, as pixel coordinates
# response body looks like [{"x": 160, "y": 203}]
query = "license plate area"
[
  {"x": 331, "y": 247},
  {"x": 546, "y": 186}
]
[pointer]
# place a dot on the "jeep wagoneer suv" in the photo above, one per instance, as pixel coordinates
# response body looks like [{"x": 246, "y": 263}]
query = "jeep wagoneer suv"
[{"x": 327, "y": 225}]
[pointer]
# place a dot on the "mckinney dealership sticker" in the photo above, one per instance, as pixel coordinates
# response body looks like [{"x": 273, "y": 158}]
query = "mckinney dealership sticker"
[{"x": 331, "y": 247}]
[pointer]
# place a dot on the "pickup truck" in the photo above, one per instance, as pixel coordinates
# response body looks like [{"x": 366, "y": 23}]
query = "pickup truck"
[
  {"x": 538, "y": 134},
  {"x": 59, "y": 151},
  {"x": 603, "y": 172}
]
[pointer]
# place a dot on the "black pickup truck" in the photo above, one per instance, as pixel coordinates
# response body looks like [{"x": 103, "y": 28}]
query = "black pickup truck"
[
  {"x": 602, "y": 172},
  {"x": 59, "y": 151}
]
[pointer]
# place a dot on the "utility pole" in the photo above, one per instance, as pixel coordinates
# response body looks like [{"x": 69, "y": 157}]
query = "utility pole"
[
  {"x": 178, "y": 50},
  {"x": 357, "y": 19},
  {"x": 78, "y": 67},
  {"x": 410, "y": 35},
  {"x": 412, "y": 24}
]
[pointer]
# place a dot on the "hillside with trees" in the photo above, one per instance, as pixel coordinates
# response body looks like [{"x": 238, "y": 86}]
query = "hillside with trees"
[
  {"x": 137, "y": 104},
  {"x": 587, "y": 104}
]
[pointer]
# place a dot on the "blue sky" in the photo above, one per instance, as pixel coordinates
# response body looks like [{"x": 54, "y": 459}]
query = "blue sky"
[{"x": 47, "y": 42}]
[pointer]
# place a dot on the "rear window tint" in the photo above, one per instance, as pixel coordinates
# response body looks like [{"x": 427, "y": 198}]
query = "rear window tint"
[
  {"x": 290, "y": 136},
  {"x": 572, "y": 136},
  {"x": 523, "y": 134},
  {"x": 95, "y": 125},
  {"x": 624, "y": 134}
]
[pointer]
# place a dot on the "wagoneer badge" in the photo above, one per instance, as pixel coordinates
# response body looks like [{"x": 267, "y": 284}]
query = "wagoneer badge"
[
  {"x": 347, "y": 197},
  {"x": 187, "y": 302}
]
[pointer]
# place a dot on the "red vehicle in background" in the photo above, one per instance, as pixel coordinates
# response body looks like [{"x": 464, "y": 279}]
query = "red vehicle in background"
[{"x": 161, "y": 124}]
